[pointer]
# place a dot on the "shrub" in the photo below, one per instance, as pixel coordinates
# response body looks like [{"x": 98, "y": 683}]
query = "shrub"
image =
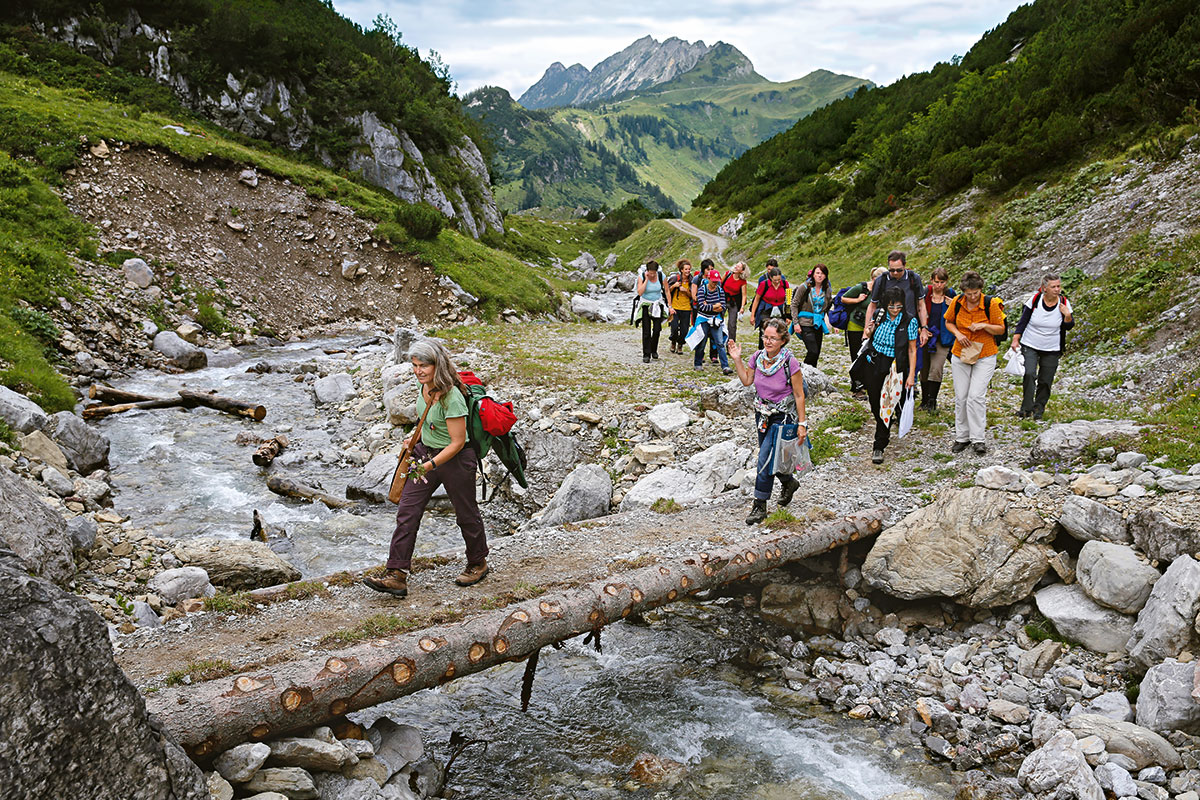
[
  {"x": 962, "y": 245},
  {"x": 421, "y": 220}
]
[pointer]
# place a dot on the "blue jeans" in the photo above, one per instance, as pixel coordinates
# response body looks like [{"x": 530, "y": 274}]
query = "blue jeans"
[
  {"x": 764, "y": 478},
  {"x": 712, "y": 331}
]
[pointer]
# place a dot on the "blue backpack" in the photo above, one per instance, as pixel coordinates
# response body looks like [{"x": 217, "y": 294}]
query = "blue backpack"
[{"x": 839, "y": 315}]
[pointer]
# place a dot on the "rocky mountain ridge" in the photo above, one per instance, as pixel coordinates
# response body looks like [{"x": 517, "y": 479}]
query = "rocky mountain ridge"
[{"x": 645, "y": 63}]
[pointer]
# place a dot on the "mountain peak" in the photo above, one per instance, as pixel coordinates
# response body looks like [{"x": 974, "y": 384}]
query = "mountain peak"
[{"x": 643, "y": 64}]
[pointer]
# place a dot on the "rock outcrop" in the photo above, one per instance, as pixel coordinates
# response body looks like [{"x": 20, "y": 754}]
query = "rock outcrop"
[{"x": 37, "y": 535}]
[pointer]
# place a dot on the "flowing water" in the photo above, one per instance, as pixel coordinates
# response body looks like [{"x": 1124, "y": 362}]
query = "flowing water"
[{"x": 674, "y": 686}]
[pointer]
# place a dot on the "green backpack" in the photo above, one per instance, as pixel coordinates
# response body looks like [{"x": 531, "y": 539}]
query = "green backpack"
[{"x": 489, "y": 429}]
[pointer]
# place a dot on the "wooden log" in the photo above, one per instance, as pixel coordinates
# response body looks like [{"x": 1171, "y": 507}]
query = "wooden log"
[
  {"x": 111, "y": 396},
  {"x": 210, "y": 717},
  {"x": 269, "y": 450},
  {"x": 227, "y": 404},
  {"x": 101, "y": 411},
  {"x": 282, "y": 484}
]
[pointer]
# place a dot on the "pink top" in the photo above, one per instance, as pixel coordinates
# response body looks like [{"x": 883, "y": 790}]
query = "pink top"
[{"x": 773, "y": 388}]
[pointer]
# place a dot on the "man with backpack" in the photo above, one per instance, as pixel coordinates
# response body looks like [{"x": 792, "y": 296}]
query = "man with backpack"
[{"x": 909, "y": 283}]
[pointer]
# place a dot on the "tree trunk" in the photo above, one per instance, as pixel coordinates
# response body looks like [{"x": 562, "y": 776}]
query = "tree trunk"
[
  {"x": 281, "y": 484},
  {"x": 226, "y": 404},
  {"x": 111, "y": 396},
  {"x": 101, "y": 411},
  {"x": 269, "y": 450},
  {"x": 211, "y": 717}
]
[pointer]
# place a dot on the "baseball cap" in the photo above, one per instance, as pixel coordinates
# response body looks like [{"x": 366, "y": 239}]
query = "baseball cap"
[{"x": 713, "y": 275}]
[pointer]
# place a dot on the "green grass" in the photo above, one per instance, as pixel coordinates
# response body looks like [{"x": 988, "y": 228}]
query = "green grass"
[
  {"x": 7, "y": 435},
  {"x": 235, "y": 603},
  {"x": 666, "y": 505},
  {"x": 658, "y": 241},
  {"x": 375, "y": 626},
  {"x": 207, "y": 670}
]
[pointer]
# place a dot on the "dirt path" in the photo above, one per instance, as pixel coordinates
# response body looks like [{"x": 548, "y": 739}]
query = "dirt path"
[
  {"x": 597, "y": 368},
  {"x": 711, "y": 245}
]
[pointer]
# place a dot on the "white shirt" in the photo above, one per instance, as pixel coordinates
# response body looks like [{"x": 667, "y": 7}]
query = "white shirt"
[{"x": 1042, "y": 330}]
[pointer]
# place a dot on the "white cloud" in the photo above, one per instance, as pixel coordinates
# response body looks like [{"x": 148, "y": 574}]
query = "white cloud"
[{"x": 510, "y": 44}]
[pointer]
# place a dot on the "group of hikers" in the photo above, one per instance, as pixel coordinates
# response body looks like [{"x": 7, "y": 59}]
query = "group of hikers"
[{"x": 895, "y": 326}]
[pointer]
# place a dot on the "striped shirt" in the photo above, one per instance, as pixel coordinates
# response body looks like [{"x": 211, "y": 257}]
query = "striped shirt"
[
  {"x": 884, "y": 338},
  {"x": 707, "y": 297}
]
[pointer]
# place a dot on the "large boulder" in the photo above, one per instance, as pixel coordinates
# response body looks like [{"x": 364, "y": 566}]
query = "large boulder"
[
  {"x": 178, "y": 352},
  {"x": 587, "y": 307},
  {"x": 1080, "y": 619},
  {"x": 666, "y": 418},
  {"x": 715, "y": 465},
  {"x": 86, "y": 448},
  {"x": 1164, "y": 626},
  {"x": 181, "y": 583},
  {"x": 1064, "y": 442},
  {"x": 1087, "y": 519},
  {"x": 551, "y": 455},
  {"x": 586, "y": 262},
  {"x": 586, "y": 493},
  {"x": 977, "y": 546},
  {"x": 1114, "y": 576},
  {"x": 37, "y": 535},
  {"x": 334, "y": 389},
  {"x": 1059, "y": 767},
  {"x": 1162, "y": 538},
  {"x": 73, "y": 724},
  {"x": 812, "y": 607},
  {"x": 1141, "y": 744},
  {"x": 400, "y": 403},
  {"x": 138, "y": 272},
  {"x": 702, "y": 476},
  {"x": 20, "y": 413},
  {"x": 730, "y": 398},
  {"x": 237, "y": 563},
  {"x": 1166, "y": 701},
  {"x": 373, "y": 483}
]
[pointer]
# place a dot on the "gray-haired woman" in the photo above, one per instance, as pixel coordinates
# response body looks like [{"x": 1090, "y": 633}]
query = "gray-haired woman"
[
  {"x": 1042, "y": 336},
  {"x": 440, "y": 456}
]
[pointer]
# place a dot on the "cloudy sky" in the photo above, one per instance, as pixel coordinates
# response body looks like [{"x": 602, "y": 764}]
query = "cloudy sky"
[{"x": 510, "y": 44}]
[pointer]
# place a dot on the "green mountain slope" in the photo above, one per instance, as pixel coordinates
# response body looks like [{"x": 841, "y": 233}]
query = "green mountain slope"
[{"x": 1056, "y": 79}]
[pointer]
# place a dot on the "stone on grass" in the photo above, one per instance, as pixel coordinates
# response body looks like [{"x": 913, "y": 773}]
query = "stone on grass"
[
  {"x": 20, "y": 413},
  {"x": 37, "y": 535},
  {"x": 238, "y": 764},
  {"x": 585, "y": 494},
  {"x": 1165, "y": 624},
  {"x": 1179, "y": 483},
  {"x": 1004, "y": 478},
  {"x": 1139, "y": 743},
  {"x": 237, "y": 563},
  {"x": 1162, "y": 538},
  {"x": 74, "y": 726},
  {"x": 85, "y": 447},
  {"x": 334, "y": 389},
  {"x": 181, "y": 583},
  {"x": 1064, "y": 442},
  {"x": 977, "y": 546},
  {"x": 1080, "y": 619},
  {"x": 1166, "y": 701},
  {"x": 178, "y": 352},
  {"x": 1058, "y": 766},
  {"x": 1113, "y": 576},
  {"x": 1087, "y": 519},
  {"x": 666, "y": 418}
]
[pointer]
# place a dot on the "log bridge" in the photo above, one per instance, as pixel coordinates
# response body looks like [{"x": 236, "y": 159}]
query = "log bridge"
[{"x": 210, "y": 717}]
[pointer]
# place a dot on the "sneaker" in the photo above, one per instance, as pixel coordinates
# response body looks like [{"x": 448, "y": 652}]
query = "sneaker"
[
  {"x": 654, "y": 356},
  {"x": 714, "y": 360},
  {"x": 1037, "y": 414},
  {"x": 958, "y": 447},
  {"x": 877, "y": 457},
  {"x": 727, "y": 371},
  {"x": 698, "y": 367},
  {"x": 645, "y": 359},
  {"x": 393, "y": 582},
  {"x": 980, "y": 449},
  {"x": 473, "y": 574},
  {"x": 790, "y": 485}
]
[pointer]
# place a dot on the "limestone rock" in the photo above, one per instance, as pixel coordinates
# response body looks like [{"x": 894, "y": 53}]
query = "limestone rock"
[
  {"x": 714, "y": 465},
  {"x": 1164, "y": 625},
  {"x": 229, "y": 357},
  {"x": 586, "y": 307},
  {"x": 1166, "y": 701},
  {"x": 704, "y": 475},
  {"x": 180, "y": 583},
  {"x": 237, "y": 563},
  {"x": 731, "y": 398},
  {"x": 336, "y": 388},
  {"x": 810, "y": 607},
  {"x": 585, "y": 262},
  {"x": 138, "y": 272},
  {"x": 38, "y": 445},
  {"x": 218, "y": 787},
  {"x": 1093, "y": 486},
  {"x": 1044, "y": 726},
  {"x": 20, "y": 413},
  {"x": 311, "y": 754},
  {"x": 1141, "y": 744},
  {"x": 373, "y": 483},
  {"x": 37, "y": 535},
  {"x": 238, "y": 764},
  {"x": 1113, "y": 576},
  {"x": 1179, "y": 483},
  {"x": 74, "y": 726},
  {"x": 1113, "y": 705},
  {"x": 1007, "y": 711},
  {"x": 1081, "y": 619},
  {"x": 1003, "y": 478},
  {"x": 1036, "y": 662},
  {"x": 86, "y": 448},
  {"x": 82, "y": 531},
  {"x": 585, "y": 494},
  {"x": 977, "y": 546},
  {"x": 1116, "y": 780},
  {"x": 401, "y": 405},
  {"x": 1162, "y": 538},
  {"x": 1087, "y": 519},
  {"x": 1058, "y": 766},
  {"x": 396, "y": 745},
  {"x": 294, "y": 782},
  {"x": 1064, "y": 442},
  {"x": 649, "y": 453},
  {"x": 178, "y": 352},
  {"x": 666, "y": 418}
]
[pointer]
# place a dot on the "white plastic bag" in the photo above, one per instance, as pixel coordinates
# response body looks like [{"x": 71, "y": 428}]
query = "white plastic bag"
[
  {"x": 1015, "y": 365},
  {"x": 695, "y": 336},
  {"x": 906, "y": 413}
]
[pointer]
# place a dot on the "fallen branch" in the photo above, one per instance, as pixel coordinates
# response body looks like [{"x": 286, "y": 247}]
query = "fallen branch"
[
  {"x": 269, "y": 450},
  {"x": 101, "y": 411},
  {"x": 227, "y": 404},
  {"x": 210, "y": 717},
  {"x": 110, "y": 396},
  {"x": 281, "y": 484},
  {"x": 116, "y": 401}
]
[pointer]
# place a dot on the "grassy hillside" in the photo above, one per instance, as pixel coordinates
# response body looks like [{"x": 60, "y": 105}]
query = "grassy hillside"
[{"x": 1056, "y": 80}]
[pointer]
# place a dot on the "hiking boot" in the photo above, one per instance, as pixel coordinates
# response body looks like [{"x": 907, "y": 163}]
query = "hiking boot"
[
  {"x": 645, "y": 359},
  {"x": 958, "y": 447},
  {"x": 714, "y": 359},
  {"x": 1023, "y": 414},
  {"x": 393, "y": 582},
  {"x": 934, "y": 388},
  {"x": 473, "y": 574},
  {"x": 980, "y": 449},
  {"x": 758, "y": 512},
  {"x": 877, "y": 457},
  {"x": 654, "y": 355},
  {"x": 727, "y": 371},
  {"x": 698, "y": 367},
  {"x": 790, "y": 485}
]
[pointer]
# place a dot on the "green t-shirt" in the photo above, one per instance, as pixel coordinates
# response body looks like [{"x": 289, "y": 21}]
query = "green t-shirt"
[
  {"x": 858, "y": 311},
  {"x": 434, "y": 432}
]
